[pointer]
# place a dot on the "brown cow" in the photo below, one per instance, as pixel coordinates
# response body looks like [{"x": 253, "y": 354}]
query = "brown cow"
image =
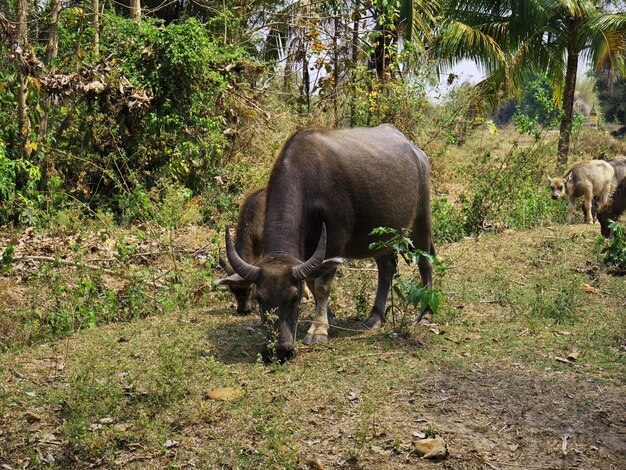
[
  {"x": 587, "y": 179},
  {"x": 327, "y": 191}
]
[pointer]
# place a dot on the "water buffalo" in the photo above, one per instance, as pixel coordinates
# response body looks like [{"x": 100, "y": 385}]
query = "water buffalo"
[
  {"x": 587, "y": 179},
  {"x": 327, "y": 191},
  {"x": 613, "y": 208},
  {"x": 619, "y": 169},
  {"x": 248, "y": 244}
]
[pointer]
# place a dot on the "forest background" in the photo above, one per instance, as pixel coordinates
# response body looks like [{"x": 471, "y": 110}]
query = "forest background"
[{"x": 107, "y": 105}]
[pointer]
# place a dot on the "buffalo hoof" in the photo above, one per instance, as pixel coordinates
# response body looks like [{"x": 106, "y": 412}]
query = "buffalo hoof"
[
  {"x": 425, "y": 318},
  {"x": 278, "y": 354},
  {"x": 331, "y": 317},
  {"x": 315, "y": 339},
  {"x": 372, "y": 322}
]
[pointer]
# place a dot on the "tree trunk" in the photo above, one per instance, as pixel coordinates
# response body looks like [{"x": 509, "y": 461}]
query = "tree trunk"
[
  {"x": 355, "y": 58},
  {"x": 565, "y": 130},
  {"x": 95, "y": 24},
  {"x": 135, "y": 9},
  {"x": 22, "y": 92},
  {"x": 305, "y": 92},
  {"x": 52, "y": 50}
]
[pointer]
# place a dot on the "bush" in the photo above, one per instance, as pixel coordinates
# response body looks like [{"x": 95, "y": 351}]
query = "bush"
[
  {"x": 448, "y": 221},
  {"x": 155, "y": 103},
  {"x": 614, "y": 250},
  {"x": 507, "y": 192}
]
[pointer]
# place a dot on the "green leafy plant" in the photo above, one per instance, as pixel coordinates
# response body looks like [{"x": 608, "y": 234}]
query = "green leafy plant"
[
  {"x": 7, "y": 258},
  {"x": 614, "y": 250},
  {"x": 409, "y": 289}
]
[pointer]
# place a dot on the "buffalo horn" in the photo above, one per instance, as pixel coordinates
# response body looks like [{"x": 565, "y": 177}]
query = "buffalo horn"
[
  {"x": 248, "y": 271},
  {"x": 306, "y": 269}
]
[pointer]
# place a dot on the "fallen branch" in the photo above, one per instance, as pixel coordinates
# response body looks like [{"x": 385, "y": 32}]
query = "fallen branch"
[{"x": 51, "y": 259}]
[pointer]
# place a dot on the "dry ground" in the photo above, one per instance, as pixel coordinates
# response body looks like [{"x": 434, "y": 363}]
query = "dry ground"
[{"x": 491, "y": 377}]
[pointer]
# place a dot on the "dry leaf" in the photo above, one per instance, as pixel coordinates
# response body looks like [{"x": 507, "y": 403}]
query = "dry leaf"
[
  {"x": 32, "y": 417},
  {"x": 564, "y": 438},
  {"x": 573, "y": 355},
  {"x": 379, "y": 450},
  {"x": 224, "y": 394},
  {"x": 314, "y": 464},
  {"x": 170, "y": 443},
  {"x": 590, "y": 289}
]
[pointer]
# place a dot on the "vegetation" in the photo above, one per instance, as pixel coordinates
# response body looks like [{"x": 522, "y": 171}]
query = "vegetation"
[
  {"x": 409, "y": 289},
  {"x": 130, "y": 133},
  {"x": 614, "y": 251},
  {"x": 612, "y": 96}
]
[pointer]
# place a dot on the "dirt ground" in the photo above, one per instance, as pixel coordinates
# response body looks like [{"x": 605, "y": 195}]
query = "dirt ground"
[{"x": 359, "y": 402}]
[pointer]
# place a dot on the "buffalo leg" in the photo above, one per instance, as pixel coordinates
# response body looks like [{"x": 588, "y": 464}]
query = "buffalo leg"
[
  {"x": 310, "y": 284},
  {"x": 386, "y": 269},
  {"x": 587, "y": 203},
  {"x": 318, "y": 332}
]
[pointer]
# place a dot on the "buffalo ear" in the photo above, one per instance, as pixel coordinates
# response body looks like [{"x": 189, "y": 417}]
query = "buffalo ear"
[
  {"x": 327, "y": 265},
  {"x": 234, "y": 280},
  {"x": 222, "y": 263}
]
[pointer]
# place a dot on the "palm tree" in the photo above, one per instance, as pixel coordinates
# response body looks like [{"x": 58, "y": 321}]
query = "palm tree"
[
  {"x": 579, "y": 30},
  {"x": 514, "y": 39}
]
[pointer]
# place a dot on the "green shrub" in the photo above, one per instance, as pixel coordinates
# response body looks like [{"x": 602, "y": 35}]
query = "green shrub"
[
  {"x": 507, "y": 192},
  {"x": 613, "y": 252},
  {"x": 448, "y": 221},
  {"x": 409, "y": 289}
]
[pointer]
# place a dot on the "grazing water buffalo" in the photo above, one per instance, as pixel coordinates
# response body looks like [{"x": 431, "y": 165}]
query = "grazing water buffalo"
[
  {"x": 248, "y": 244},
  {"x": 619, "y": 169},
  {"x": 327, "y": 191},
  {"x": 587, "y": 179},
  {"x": 613, "y": 209}
]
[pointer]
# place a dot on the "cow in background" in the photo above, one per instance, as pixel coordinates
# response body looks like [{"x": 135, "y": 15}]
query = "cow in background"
[
  {"x": 248, "y": 244},
  {"x": 587, "y": 179}
]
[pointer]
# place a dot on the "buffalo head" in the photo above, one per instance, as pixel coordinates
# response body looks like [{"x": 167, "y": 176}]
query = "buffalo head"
[
  {"x": 244, "y": 294},
  {"x": 278, "y": 280}
]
